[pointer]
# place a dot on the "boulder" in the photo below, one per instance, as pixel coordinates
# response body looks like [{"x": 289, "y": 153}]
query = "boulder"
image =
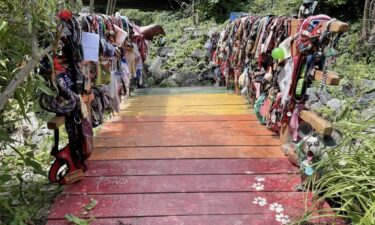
[
  {"x": 169, "y": 82},
  {"x": 164, "y": 51},
  {"x": 324, "y": 97},
  {"x": 151, "y": 81},
  {"x": 368, "y": 113},
  {"x": 156, "y": 64},
  {"x": 316, "y": 106},
  {"x": 366, "y": 99},
  {"x": 369, "y": 85},
  {"x": 160, "y": 75},
  {"x": 335, "y": 104},
  {"x": 185, "y": 78},
  {"x": 198, "y": 54},
  {"x": 348, "y": 90},
  {"x": 189, "y": 62},
  {"x": 184, "y": 39}
]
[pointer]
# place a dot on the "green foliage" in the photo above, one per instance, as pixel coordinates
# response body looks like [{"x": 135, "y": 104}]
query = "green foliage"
[
  {"x": 77, "y": 221},
  {"x": 25, "y": 192}
]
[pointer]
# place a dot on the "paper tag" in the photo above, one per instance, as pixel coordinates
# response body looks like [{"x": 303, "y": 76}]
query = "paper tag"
[{"x": 74, "y": 176}]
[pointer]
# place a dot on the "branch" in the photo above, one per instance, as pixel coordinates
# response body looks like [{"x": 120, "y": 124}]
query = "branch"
[{"x": 18, "y": 79}]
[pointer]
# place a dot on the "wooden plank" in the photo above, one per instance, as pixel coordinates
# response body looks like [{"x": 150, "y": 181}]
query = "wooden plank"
[
  {"x": 320, "y": 125},
  {"x": 332, "y": 77},
  {"x": 189, "y": 166},
  {"x": 338, "y": 27},
  {"x": 184, "y": 184},
  {"x": 56, "y": 122},
  {"x": 144, "y": 205},
  {"x": 199, "y": 152},
  {"x": 230, "y": 128},
  {"x": 172, "y": 139},
  {"x": 185, "y": 110},
  {"x": 195, "y": 118},
  {"x": 256, "y": 219}
]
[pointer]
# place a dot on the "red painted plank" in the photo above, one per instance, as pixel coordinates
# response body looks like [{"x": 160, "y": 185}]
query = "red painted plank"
[
  {"x": 257, "y": 219},
  {"x": 184, "y": 139},
  {"x": 186, "y": 183},
  {"x": 189, "y": 166},
  {"x": 204, "y": 118},
  {"x": 198, "y": 152},
  {"x": 141, "y": 205},
  {"x": 231, "y": 128}
]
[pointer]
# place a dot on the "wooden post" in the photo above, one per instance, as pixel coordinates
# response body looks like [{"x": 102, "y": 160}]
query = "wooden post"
[{"x": 91, "y": 6}]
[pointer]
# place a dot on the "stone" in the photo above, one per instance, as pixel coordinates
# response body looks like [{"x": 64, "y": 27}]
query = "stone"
[
  {"x": 335, "y": 104},
  {"x": 170, "y": 82},
  {"x": 160, "y": 75},
  {"x": 198, "y": 54},
  {"x": 313, "y": 98},
  {"x": 316, "y": 106},
  {"x": 368, "y": 113},
  {"x": 189, "y": 62},
  {"x": 185, "y": 78},
  {"x": 164, "y": 51},
  {"x": 211, "y": 31},
  {"x": 183, "y": 39},
  {"x": 201, "y": 65},
  {"x": 324, "y": 97},
  {"x": 366, "y": 99},
  {"x": 30, "y": 125},
  {"x": 151, "y": 81},
  {"x": 190, "y": 82},
  {"x": 156, "y": 64},
  {"x": 198, "y": 33},
  {"x": 369, "y": 85},
  {"x": 348, "y": 90}
]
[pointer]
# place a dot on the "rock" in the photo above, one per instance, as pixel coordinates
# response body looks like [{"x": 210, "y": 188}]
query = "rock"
[
  {"x": 366, "y": 99},
  {"x": 316, "y": 106},
  {"x": 189, "y": 62},
  {"x": 198, "y": 33},
  {"x": 163, "y": 41},
  {"x": 185, "y": 78},
  {"x": 369, "y": 85},
  {"x": 348, "y": 90},
  {"x": 164, "y": 51},
  {"x": 156, "y": 64},
  {"x": 170, "y": 82},
  {"x": 212, "y": 31},
  {"x": 151, "y": 81},
  {"x": 160, "y": 75},
  {"x": 368, "y": 113},
  {"x": 324, "y": 97},
  {"x": 40, "y": 135},
  {"x": 198, "y": 54},
  {"x": 207, "y": 74},
  {"x": 183, "y": 39},
  {"x": 311, "y": 92},
  {"x": 190, "y": 82},
  {"x": 201, "y": 65},
  {"x": 173, "y": 70},
  {"x": 335, "y": 104},
  {"x": 29, "y": 126}
]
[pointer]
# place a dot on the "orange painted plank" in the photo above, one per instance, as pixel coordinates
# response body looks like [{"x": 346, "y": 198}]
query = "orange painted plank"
[
  {"x": 196, "y": 118},
  {"x": 189, "y": 167},
  {"x": 232, "y": 128},
  {"x": 144, "y": 205},
  {"x": 184, "y": 184},
  {"x": 206, "y": 152},
  {"x": 184, "y": 139}
]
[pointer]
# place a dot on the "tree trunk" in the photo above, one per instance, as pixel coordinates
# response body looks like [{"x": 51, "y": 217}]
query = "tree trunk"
[{"x": 365, "y": 20}]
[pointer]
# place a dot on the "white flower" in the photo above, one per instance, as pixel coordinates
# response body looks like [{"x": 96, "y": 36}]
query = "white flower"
[
  {"x": 258, "y": 186},
  {"x": 260, "y": 201},
  {"x": 276, "y": 207},
  {"x": 284, "y": 219},
  {"x": 260, "y": 179}
]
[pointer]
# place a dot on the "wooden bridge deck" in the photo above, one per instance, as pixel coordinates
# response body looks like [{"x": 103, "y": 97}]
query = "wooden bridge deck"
[{"x": 192, "y": 156}]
